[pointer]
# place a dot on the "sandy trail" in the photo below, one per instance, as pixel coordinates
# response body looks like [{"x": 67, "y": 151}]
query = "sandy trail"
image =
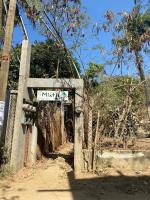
[{"x": 54, "y": 179}]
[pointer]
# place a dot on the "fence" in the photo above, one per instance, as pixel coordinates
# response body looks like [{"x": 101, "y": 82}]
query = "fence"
[{"x": 10, "y": 121}]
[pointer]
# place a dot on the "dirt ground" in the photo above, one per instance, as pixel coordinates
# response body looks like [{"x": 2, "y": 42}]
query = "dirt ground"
[{"x": 54, "y": 179}]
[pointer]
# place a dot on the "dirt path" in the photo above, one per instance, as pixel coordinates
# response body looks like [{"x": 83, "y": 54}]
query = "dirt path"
[{"x": 54, "y": 179}]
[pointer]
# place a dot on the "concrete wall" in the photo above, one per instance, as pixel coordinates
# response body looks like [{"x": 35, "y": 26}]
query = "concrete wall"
[{"x": 138, "y": 160}]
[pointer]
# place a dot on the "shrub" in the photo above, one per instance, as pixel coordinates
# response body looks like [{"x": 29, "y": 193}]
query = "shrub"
[{"x": 3, "y": 154}]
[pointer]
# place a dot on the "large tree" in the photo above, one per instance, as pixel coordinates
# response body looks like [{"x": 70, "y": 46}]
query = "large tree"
[
  {"x": 131, "y": 37},
  {"x": 61, "y": 21},
  {"x": 48, "y": 60},
  {"x": 135, "y": 37},
  {"x": 54, "y": 18}
]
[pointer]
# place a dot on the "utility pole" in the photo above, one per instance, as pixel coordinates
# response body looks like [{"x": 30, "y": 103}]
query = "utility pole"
[
  {"x": 1, "y": 18},
  {"x": 5, "y": 59}
]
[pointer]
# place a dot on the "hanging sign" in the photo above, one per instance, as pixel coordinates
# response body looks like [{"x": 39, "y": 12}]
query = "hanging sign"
[
  {"x": 2, "y": 108},
  {"x": 43, "y": 95}
]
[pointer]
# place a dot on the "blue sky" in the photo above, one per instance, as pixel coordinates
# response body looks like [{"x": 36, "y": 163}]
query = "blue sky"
[{"x": 95, "y": 9}]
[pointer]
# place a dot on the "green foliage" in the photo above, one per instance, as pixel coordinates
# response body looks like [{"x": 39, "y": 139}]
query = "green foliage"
[
  {"x": 109, "y": 97},
  {"x": 46, "y": 58},
  {"x": 120, "y": 42},
  {"x": 113, "y": 90},
  {"x": 94, "y": 69},
  {"x": 137, "y": 31},
  {"x": 93, "y": 72},
  {"x": 133, "y": 29}
]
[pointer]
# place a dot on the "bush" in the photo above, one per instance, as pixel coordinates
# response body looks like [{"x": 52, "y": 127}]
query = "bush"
[{"x": 3, "y": 154}]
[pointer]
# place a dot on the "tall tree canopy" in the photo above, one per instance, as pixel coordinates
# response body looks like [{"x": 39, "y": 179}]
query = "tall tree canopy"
[{"x": 47, "y": 60}]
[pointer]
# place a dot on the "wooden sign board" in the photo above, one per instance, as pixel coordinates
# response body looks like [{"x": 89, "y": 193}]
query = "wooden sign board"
[{"x": 43, "y": 95}]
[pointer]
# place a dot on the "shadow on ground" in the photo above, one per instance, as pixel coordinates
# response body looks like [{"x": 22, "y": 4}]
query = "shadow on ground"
[
  {"x": 111, "y": 187},
  {"x": 89, "y": 187},
  {"x": 119, "y": 187}
]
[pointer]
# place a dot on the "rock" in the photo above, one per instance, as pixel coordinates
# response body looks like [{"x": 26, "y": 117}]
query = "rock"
[{"x": 60, "y": 159}]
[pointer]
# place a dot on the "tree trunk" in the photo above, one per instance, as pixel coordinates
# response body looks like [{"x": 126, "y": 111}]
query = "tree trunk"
[
  {"x": 1, "y": 18},
  {"x": 6, "y": 49},
  {"x": 121, "y": 119},
  {"x": 90, "y": 128},
  {"x": 142, "y": 77},
  {"x": 124, "y": 137}
]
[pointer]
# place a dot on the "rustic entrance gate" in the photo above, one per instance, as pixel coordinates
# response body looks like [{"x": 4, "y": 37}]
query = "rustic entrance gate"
[{"x": 25, "y": 105}]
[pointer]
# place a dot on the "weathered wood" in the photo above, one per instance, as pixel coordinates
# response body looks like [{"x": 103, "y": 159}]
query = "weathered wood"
[
  {"x": 95, "y": 142},
  {"x": 19, "y": 132},
  {"x": 28, "y": 108},
  {"x": 4, "y": 69},
  {"x": 79, "y": 129},
  {"x": 10, "y": 122},
  {"x": 33, "y": 145},
  {"x": 26, "y": 84},
  {"x": 128, "y": 108},
  {"x": 90, "y": 136},
  {"x": 122, "y": 116},
  {"x": 90, "y": 129},
  {"x": 62, "y": 123},
  {"x": 27, "y": 101}
]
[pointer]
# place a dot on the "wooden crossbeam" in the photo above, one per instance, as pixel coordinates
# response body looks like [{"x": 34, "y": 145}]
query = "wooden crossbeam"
[{"x": 54, "y": 83}]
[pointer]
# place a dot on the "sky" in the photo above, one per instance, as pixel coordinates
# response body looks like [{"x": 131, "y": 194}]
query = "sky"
[{"x": 96, "y": 10}]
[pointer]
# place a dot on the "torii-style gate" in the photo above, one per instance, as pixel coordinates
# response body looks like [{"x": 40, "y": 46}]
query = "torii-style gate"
[{"x": 25, "y": 92}]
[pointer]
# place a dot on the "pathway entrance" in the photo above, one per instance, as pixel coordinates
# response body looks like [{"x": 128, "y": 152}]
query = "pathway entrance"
[
  {"x": 26, "y": 109},
  {"x": 54, "y": 179}
]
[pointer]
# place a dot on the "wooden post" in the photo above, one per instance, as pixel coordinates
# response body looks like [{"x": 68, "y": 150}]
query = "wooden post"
[
  {"x": 33, "y": 145},
  {"x": 5, "y": 60},
  {"x": 79, "y": 129},
  {"x": 95, "y": 142},
  {"x": 62, "y": 123},
  {"x": 90, "y": 130},
  {"x": 90, "y": 126},
  {"x": 90, "y": 139},
  {"x": 19, "y": 130},
  {"x": 1, "y": 18}
]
